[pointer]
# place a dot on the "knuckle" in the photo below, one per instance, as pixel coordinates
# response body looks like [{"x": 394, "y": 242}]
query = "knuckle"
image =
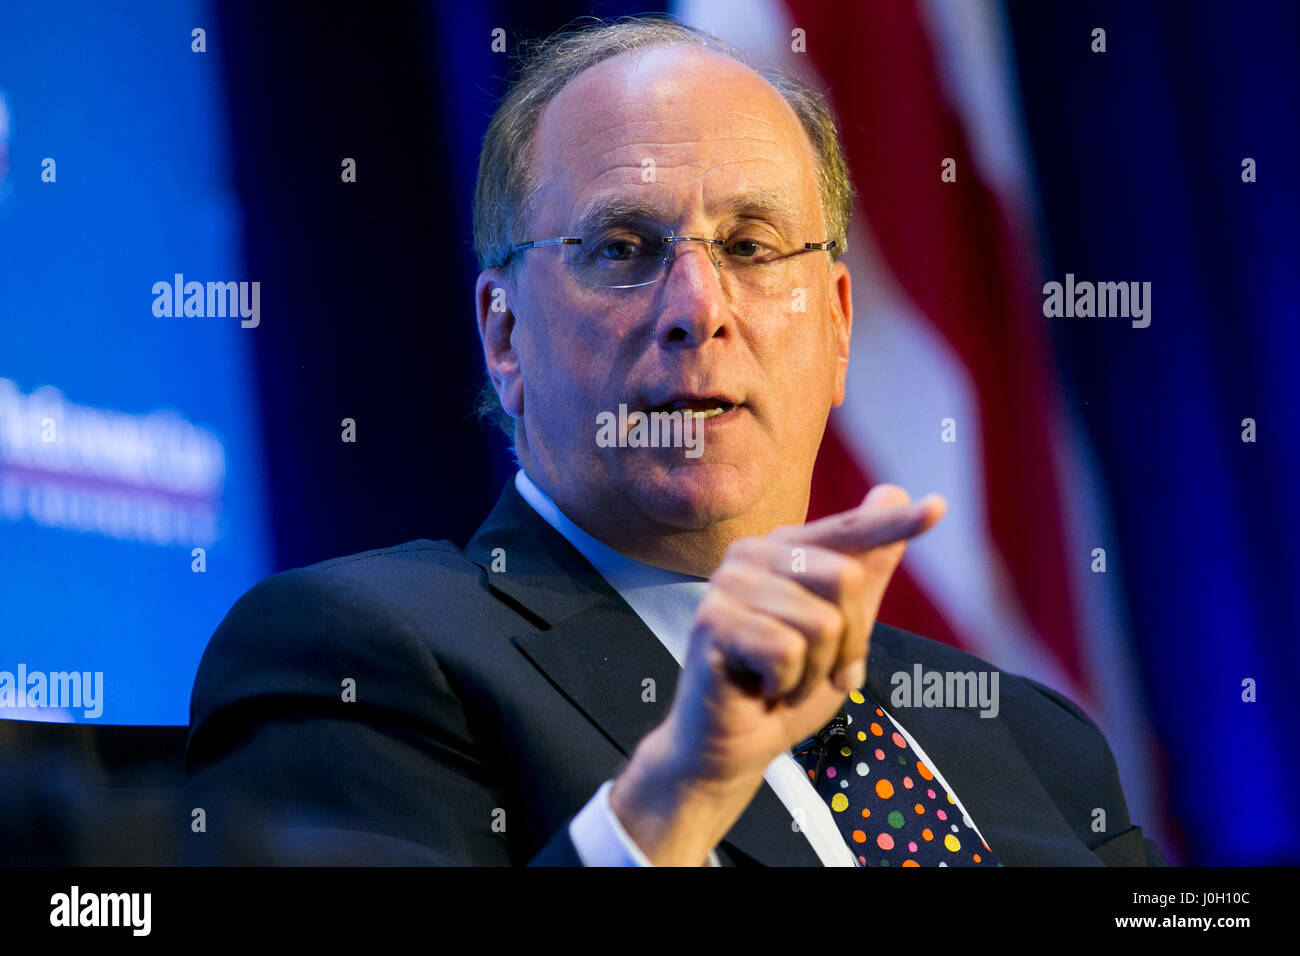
[
  {"x": 787, "y": 653},
  {"x": 850, "y": 578},
  {"x": 830, "y": 625},
  {"x": 712, "y": 614},
  {"x": 733, "y": 577}
]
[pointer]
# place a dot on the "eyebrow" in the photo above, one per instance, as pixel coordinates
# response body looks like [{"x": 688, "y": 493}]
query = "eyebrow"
[{"x": 755, "y": 204}]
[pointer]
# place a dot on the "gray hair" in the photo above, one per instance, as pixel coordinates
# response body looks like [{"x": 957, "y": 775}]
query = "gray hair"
[{"x": 507, "y": 185}]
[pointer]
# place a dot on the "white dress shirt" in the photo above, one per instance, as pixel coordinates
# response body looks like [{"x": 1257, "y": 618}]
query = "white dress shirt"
[{"x": 666, "y": 602}]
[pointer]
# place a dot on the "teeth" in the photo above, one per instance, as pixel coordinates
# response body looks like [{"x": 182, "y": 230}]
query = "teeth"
[{"x": 699, "y": 413}]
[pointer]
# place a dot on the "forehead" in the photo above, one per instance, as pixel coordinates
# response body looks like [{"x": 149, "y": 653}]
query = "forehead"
[{"x": 677, "y": 129}]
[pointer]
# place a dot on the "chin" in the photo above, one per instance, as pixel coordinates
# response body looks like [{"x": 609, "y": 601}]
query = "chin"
[{"x": 696, "y": 494}]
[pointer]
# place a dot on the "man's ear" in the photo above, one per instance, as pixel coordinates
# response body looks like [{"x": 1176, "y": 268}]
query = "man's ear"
[
  {"x": 496, "y": 326},
  {"x": 842, "y": 314}
]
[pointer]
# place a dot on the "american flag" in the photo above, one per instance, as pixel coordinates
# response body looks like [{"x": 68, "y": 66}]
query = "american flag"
[{"x": 950, "y": 341}]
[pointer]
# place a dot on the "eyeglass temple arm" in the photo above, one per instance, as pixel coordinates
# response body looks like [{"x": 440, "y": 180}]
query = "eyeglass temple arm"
[
  {"x": 813, "y": 246},
  {"x": 535, "y": 243},
  {"x": 557, "y": 241}
]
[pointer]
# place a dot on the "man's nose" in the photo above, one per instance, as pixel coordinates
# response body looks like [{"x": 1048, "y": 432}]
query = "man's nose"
[{"x": 693, "y": 307}]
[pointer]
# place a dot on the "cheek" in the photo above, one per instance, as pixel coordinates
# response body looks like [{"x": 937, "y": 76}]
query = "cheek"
[
  {"x": 802, "y": 366},
  {"x": 565, "y": 370}
]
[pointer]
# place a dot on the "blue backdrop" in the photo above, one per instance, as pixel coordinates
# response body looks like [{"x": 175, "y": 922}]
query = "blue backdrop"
[
  {"x": 156, "y": 441},
  {"x": 225, "y": 166},
  {"x": 1138, "y": 155}
]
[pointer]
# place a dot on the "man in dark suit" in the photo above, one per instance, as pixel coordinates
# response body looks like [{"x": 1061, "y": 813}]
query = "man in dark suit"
[
  {"x": 616, "y": 668},
  {"x": 490, "y": 706}
]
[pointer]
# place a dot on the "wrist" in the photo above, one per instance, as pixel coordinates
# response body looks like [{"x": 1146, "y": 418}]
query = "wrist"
[{"x": 673, "y": 815}]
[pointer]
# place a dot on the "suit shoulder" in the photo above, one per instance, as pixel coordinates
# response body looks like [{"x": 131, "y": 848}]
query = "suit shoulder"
[
  {"x": 370, "y": 582},
  {"x": 1023, "y": 692},
  {"x": 299, "y": 632},
  {"x": 419, "y": 557},
  {"x": 1058, "y": 738},
  {"x": 931, "y": 654}
]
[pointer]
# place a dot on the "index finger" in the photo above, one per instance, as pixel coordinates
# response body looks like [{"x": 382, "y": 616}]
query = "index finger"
[{"x": 868, "y": 526}]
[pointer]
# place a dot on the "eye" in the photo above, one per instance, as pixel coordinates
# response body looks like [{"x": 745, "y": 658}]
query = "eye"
[
  {"x": 751, "y": 249},
  {"x": 622, "y": 248}
]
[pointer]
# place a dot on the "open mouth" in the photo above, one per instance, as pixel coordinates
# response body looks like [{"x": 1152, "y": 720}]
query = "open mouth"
[{"x": 699, "y": 407}]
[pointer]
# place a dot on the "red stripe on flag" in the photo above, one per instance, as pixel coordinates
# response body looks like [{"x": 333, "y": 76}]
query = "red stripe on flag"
[
  {"x": 840, "y": 483},
  {"x": 952, "y": 250}
]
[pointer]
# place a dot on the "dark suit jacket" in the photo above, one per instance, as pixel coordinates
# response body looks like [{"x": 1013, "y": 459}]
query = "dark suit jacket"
[{"x": 490, "y": 705}]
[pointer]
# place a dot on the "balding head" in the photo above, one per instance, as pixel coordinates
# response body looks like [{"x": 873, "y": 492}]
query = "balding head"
[
  {"x": 676, "y": 117},
  {"x": 741, "y": 319},
  {"x": 506, "y": 181}
]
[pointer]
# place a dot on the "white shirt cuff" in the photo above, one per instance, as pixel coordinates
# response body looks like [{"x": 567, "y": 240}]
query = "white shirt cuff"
[{"x": 600, "y": 839}]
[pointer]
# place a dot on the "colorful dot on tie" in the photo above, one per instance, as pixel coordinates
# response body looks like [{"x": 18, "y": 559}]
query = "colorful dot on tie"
[
  {"x": 862, "y": 860},
  {"x": 954, "y": 828},
  {"x": 899, "y": 741},
  {"x": 866, "y": 813},
  {"x": 926, "y": 835},
  {"x": 879, "y": 712},
  {"x": 925, "y": 772},
  {"x": 910, "y": 863},
  {"x": 907, "y": 782},
  {"x": 950, "y": 799},
  {"x": 830, "y": 771},
  {"x": 896, "y": 820},
  {"x": 861, "y": 735},
  {"x": 902, "y": 761},
  {"x": 951, "y": 843},
  {"x": 844, "y": 784},
  {"x": 919, "y": 809},
  {"x": 941, "y": 815},
  {"x": 885, "y": 841},
  {"x": 930, "y": 794},
  {"x": 884, "y": 789},
  {"x": 880, "y": 754},
  {"x": 845, "y": 752},
  {"x": 860, "y": 837},
  {"x": 839, "y": 802},
  {"x": 884, "y": 863},
  {"x": 875, "y": 729},
  {"x": 856, "y": 697},
  {"x": 911, "y": 847},
  {"x": 862, "y": 769},
  {"x": 812, "y": 774},
  {"x": 976, "y": 858}
]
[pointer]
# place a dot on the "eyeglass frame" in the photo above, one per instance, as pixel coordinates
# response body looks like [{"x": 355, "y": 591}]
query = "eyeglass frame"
[{"x": 671, "y": 256}]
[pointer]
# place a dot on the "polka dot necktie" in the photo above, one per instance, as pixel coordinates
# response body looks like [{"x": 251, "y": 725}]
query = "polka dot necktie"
[{"x": 889, "y": 805}]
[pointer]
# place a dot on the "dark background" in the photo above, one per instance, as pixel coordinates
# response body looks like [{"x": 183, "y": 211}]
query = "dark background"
[{"x": 1136, "y": 163}]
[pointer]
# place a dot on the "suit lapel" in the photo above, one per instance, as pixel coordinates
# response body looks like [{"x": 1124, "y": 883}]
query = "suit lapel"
[
  {"x": 603, "y": 660},
  {"x": 600, "y": 655},
  {"x": 531, "y": 566},
  {"x": 981, "y": 761}
]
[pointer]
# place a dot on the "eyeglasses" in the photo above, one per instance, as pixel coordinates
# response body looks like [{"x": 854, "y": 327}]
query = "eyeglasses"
[{"x": 750, "y": 261}]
